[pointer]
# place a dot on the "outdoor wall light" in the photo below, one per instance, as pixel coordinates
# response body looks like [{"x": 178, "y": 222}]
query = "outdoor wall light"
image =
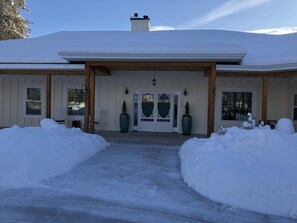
[
  {"x": 126, "y": 91},
  {"x": 185, "y": 92},
  {"x": 154, "y": 82}
]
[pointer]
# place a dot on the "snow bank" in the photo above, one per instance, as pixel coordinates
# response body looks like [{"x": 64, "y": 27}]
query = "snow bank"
[
  {"x": 29, "y": 155},
  {"x": 251, "y": 169}
]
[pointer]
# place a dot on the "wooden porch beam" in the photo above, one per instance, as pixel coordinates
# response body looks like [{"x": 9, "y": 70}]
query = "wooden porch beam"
[
  {"x": 102, "y": 71},
  {"x": 92, "y": 99},
  {"x": 135, "y": 65},
  {"x": 265, "y": 85},
  {"x": 211, "y": 100},
  {"x": 48, "y": 95}
]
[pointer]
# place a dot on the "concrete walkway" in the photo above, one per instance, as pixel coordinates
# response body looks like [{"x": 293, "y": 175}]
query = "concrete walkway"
[
  {"x": 147, "y": 138},
  {"x": 128, "y": 182}
]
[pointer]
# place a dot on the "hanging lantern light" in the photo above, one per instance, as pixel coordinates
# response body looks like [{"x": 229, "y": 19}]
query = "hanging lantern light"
[{"x": 154, "y": 81}]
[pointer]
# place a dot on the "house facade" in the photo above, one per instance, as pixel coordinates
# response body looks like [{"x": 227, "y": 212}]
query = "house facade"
[{"x": 86, "y": 76}]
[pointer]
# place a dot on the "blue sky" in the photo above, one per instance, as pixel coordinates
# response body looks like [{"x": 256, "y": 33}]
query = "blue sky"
[{"x": 275, "y": 16}]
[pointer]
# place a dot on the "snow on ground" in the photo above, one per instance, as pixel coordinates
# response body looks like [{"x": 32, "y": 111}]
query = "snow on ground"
[
  {"x": 252, "y": 169},
  {"x": 29, "y": 155}
]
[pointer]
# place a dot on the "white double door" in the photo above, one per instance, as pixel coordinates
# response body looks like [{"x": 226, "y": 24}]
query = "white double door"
[{"x": 157, "y": 111}]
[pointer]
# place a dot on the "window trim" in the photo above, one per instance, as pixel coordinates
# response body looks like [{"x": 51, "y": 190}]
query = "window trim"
[
  {"x": 75, "y": 117},
  {"x": 236, "y": 122},
  {"x": 42, "y": 99},
  {"x": 293, "y": 101}
]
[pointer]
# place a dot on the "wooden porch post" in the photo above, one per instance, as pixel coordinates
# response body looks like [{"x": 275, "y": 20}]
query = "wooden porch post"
[
  {"x": 211, "y": 99},
  {"x": 92, "y": 99},
  {"x": 87, "y": 98},
  {"x": 264, "y": 97},
  {"x": 48, "y": 95}
]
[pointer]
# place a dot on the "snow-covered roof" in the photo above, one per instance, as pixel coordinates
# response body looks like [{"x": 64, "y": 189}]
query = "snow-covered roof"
[
  {"x": 42, "y": 66},
  {"x": 251, "y": 51}
]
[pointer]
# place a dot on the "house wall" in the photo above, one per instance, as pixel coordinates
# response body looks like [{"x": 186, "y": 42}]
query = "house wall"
[
  {"x": 238, "y": 84},
  {"x": 292, "y": 91},
  {"x": 110, "y": 95},
  {"x": 281, "y": 98},
  {"x": 279, "y": 102},
  {"x": 13, "y": 99},
  {"x": 60, "y": 84}
]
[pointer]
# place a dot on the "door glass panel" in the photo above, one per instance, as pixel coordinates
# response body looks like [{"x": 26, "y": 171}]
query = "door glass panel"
[
  {"x": 175, "y": 107},
  {"x": 157, "y": 111},
  {"x": 135, "y": 104},
  {"x": 164, "y": 106},
  {"x": 147, "y": 105}
]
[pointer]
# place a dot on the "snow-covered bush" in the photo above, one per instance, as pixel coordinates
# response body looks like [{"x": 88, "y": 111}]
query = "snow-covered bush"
[
  {"x": 250, "y": 123},
  {"x": 49, "y": 123},
  {"x": 221, "y": 130},
  {"x": 285, "y": 125}
]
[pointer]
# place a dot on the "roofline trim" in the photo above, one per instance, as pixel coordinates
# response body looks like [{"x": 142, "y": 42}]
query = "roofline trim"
[
  {"x": 89, "y": 56},
  {"x": 258, "y": 68},
  {"x": 33, "y": 66}
]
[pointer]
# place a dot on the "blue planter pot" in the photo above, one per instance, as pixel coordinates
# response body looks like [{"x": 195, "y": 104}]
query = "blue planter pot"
[
  {"x": 124, "y": 122},
  {"x": 186, "y": 124}
]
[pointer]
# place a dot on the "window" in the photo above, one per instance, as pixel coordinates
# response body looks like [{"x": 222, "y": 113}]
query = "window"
[
  {"x": 295, "y": 107},
  {"x": 33, "y": 101},
  {"x": 236, "y": 105},
  {"x": 75, "y": 101}
]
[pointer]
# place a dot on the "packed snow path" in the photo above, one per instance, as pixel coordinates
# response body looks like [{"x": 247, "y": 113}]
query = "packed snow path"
[{"x": 125, "y": 183}]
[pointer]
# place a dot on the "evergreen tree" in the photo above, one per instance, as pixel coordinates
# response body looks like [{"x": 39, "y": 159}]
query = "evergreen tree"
[{"x": 12, "y": 23}]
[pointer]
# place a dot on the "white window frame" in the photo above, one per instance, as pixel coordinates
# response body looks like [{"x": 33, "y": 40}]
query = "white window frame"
[
  {"x": 74, "y": 117},
  {"x": 42, "y": 99},
  {"x": 294, "y": 106},
  {"x": 241, "y": 90}
]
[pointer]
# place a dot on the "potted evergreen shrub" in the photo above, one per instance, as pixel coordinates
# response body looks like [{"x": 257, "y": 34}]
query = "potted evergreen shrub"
[
  {"x": 124, "y": 118},
  {"x": 187, "y": 121}
]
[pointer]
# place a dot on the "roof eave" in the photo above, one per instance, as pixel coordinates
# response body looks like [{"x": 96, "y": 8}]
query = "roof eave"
[
  {"x": 199, "y": 57},
  {"x": 44, "y": 66},
  {"x": 258, "y": 68}
]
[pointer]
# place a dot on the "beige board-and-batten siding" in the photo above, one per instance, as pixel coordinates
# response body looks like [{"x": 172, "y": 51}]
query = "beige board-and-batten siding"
[
  {"x": 237, "y": 84},
  {"x": 279, "y": 103},
  {"x": 13, "y": 99},
  {"x": 110, "y": 94},
  {"x": 281, "y": 98}
]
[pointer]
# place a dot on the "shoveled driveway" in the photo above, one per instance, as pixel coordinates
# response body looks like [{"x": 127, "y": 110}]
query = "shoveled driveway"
[{"x": 125, "y": 183}]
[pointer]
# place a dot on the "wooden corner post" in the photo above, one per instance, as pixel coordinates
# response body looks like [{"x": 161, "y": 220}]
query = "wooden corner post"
[
  {"x": 264, "y": 97},
  {"x": 87, "y": 99},
  {"x": 211, "y": 99},
  {"x": 92, "y": 99},
  {"x": 48, "y": 95}
]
